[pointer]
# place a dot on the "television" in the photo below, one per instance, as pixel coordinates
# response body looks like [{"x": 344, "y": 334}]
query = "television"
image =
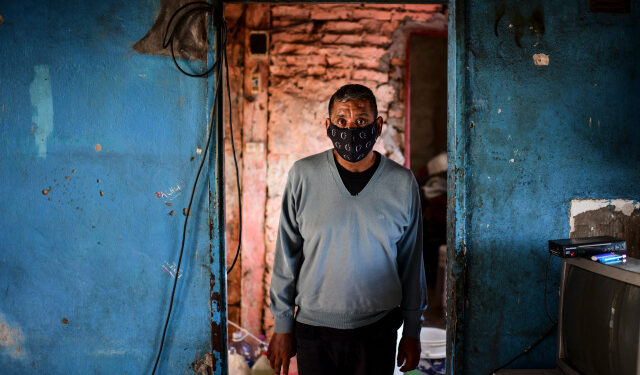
[{"x": 599, "y": 318}]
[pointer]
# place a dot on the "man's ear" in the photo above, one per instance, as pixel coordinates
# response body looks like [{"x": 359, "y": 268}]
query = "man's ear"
[
  {"x": 379, "y": 122},
  {"x": 327, "y": 122}
]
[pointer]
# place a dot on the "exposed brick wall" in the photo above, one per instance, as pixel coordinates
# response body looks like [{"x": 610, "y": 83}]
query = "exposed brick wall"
[{"x": 314, "y": 49}]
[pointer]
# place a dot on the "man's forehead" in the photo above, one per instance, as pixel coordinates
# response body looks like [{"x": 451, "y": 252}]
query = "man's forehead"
[{"x": 362, "y": 105}]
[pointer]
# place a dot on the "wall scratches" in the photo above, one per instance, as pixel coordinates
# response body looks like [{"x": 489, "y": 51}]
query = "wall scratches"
[
  {"x": 42, "y": 103},
  {"x": 171, "y": 268},
  {"x": 11, "y": 339}
]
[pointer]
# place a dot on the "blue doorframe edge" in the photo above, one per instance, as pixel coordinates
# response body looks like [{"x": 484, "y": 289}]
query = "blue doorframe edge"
[
  {"x": 457, "y": 146},
  {"x": 218, "y": 270}
]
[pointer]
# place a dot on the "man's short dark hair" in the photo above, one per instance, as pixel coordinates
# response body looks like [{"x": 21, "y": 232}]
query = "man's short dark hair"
[{"x": 354, "y": 92}]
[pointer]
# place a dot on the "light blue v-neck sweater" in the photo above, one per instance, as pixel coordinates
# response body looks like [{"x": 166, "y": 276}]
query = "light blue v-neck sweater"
[{"x": 344, "y": 260}]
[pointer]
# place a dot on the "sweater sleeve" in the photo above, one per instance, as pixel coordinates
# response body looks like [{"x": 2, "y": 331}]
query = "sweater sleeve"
[
  {"x": 411, "y": 268},
  {"x": 286, "y": 264}
]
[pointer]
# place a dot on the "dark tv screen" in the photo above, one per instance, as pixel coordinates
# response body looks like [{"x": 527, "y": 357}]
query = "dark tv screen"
[{"x": 600, "y": 323}]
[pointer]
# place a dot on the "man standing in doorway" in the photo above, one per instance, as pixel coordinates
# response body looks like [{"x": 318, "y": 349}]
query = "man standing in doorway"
[{"x": 348, "y": 253}]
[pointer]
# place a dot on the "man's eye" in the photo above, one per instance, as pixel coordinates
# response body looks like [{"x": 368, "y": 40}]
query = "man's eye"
[
  {"x": 360, "y": 121},
  {"x": 342, "y": 122}
]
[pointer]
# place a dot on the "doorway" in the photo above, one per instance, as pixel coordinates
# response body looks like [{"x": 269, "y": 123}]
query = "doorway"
[
  {"x": 311, "y": 50},
  {"x": 425, "y": 152}
]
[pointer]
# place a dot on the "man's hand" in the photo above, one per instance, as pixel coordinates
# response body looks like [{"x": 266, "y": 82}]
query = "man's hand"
[
  {"x": 281, "y": 348},
  {"x": 408, "y": 353}
]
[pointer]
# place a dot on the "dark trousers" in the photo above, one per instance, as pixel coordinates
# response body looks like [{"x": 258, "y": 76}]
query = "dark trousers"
[{"x": 365, "y": 350}]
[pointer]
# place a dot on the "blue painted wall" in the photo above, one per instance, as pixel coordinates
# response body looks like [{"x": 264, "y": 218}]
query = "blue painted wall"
[
  {"x": 529, "y": 139},
  {"x": 83, "y": 286}
]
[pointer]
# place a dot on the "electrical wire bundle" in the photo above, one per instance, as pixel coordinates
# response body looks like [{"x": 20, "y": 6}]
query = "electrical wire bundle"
[{"x": 180, "y": 16}]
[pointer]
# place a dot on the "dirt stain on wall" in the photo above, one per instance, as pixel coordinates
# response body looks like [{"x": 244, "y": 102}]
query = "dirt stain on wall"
[
  {"x": 190, "y": 41},
  {"x": 11, "y": 339}
]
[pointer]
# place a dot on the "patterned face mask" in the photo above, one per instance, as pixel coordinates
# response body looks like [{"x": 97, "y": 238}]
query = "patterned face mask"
[{"x": 353, "y": 144}]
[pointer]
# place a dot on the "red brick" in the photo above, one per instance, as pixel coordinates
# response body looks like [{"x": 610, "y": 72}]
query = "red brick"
[
  {"x": 378, "y": 40},
  {"x": 369, "y": 75},
  {"x": 343, "y": 27},
  {"x": 293, "y": 37},
  {"x": 316, "y": 70},
  {"x": 383, "y": 6},
  {"x": 293, "y": 49},
  {"x": 284, "y": 22},
  {"x": 284, "y": 71},
  {"x": 338, "y": 13},
  {"x": 366, "y": 52},
  {"x": 427, "y": 8},
  {"x": 332, "y": 74},
  {"x": 232, "y": 12},
  {"x": 389, "y": 27},
  {"x": 357, "y": 52},
  {"x": 304, "y": 27},
  {"x": 376, "y": 14},
  {"x": 305, "y": 61},
  {"x": 351, "y": 62},
  {"x": 349, "y": 39},
  {"x": 372, "y": 26},
  {"x": 290, "y": 11},
  {"x": 418, "y": 17},
  {"x": 372, "y": 64}
]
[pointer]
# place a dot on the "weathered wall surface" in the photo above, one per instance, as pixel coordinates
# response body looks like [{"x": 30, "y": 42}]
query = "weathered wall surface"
[
  {"x": 535, "y": 137},
  {"x": 313, "y": 50},
  {"x": 619, "y": 218},
  {"x": 99, "y": 151}
]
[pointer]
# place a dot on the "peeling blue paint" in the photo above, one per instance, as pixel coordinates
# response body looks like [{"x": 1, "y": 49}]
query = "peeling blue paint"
[
  {"x": 574, "y": 126},
  {"x": 82, "y": 271},
  {"x": 42, "y": 103}
]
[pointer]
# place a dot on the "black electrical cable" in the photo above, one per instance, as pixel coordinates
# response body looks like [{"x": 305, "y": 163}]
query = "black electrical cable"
[
  {"x": 184, "y": 232},
  {"x": 528, "y": 349},
  {"x": 549, "y": 330},
  {"x": 221, "y": 54},
  {"x": 202, "y": 7},
  {"x": 546, "y": 280},
  {"x": 235, "y": 161}
]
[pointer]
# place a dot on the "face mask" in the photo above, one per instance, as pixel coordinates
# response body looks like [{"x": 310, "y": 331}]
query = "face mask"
[{"x": 353, "y": 144}]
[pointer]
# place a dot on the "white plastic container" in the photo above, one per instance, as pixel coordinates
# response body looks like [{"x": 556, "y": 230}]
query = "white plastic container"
[
  {"x": 433, "y": 342},
  {"x": 237, "y": 364},
  {"x": 262, "y": 366}
]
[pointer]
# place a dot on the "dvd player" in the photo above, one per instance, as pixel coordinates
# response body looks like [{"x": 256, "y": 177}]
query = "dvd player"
[{"x": 587, "y": 246}]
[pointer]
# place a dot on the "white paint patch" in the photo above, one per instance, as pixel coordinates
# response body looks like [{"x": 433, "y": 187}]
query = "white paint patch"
[
  {"x": 579, "y": 206},
  {"x": 11, "y": 339},
  {"x": 198, "y": 151},
  {"x": 42, "y": 103},
  {"x": 540, "y": 59},
  {"x": 512, "y": 160},
  {"x": 110, "y": 352}
]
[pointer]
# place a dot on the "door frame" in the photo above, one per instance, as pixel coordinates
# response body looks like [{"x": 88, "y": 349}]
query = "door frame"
[{"x": 457, "y": 146}]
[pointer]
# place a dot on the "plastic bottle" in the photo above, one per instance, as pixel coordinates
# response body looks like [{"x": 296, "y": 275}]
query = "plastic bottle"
[
  {"x": 243, "y": 348},
  {"x": 237, "y": 364},
  {"x": 262, "y": 366}
]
